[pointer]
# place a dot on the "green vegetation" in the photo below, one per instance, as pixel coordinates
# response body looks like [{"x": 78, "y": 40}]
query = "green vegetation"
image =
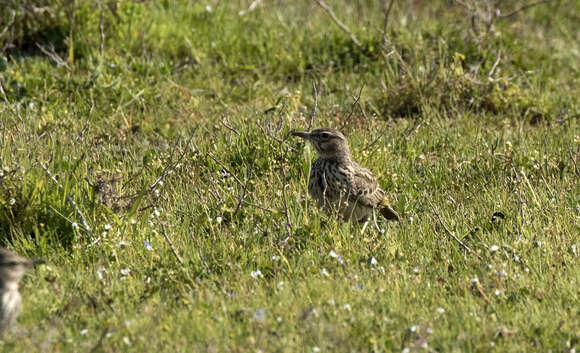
[{"x": 166, "y": 123}]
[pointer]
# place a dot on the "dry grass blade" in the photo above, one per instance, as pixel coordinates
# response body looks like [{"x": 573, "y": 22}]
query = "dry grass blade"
[
  {"x": 453, "y": 236},
  {"x": 339, "y": 23}
]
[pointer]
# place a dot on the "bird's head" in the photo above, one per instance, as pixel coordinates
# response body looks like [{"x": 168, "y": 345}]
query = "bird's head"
[
  {"x": 329, "y": 143},
  {"x": 13, "y": 267}
]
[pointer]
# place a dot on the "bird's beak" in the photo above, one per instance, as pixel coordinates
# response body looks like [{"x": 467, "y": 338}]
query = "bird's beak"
[
  {"x": 35, "y": 262},
  {"x": 302, "y": 134}
]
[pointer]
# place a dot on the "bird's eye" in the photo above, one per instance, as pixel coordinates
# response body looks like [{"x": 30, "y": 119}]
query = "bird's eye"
[{"x": 324, "y": 135}]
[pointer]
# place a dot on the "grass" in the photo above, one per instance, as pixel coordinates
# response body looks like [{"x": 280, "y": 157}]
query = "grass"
[{"x": 201, "y": 98}]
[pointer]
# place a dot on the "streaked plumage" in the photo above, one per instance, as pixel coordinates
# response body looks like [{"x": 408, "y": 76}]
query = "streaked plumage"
[
  {"x": 339, "y": 183},
  {"x": 12, "y": 268}
]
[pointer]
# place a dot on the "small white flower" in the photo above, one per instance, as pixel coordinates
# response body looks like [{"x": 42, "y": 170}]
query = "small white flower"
[
  {"x": 315, "y": 349},
  {"x": 574, "y": 248},
  {"x": 539, "y": 243},
  {"x": 121, "y": 244},
  {"x": 324, "y": 272},
  {"x": 126, "y": 340},
  {"x": 280, "y": 284},
  {"x": 440, "y": 310},
  {"x": 160, "y": 183},
  {"x": 84, "y": 331},
  {"x": 497, "y": 292},
  {"x": 410, "y": 218},
  {"x": 12, "y": 201},
  {"x": 493, "y": 248},
  {"x": 156, "y": 192},
  {"x": 107, "y": 227},
  {"x": 278, "y": 319},
  {"x": 100, "y": 272},
  {"x": 406, "y": 350},
  {"x": 208, "y": 8},
  {"x": 374, "y": 261},
  {"x": 414, "y": 328},
  {"x": 133, "y": 221},
  {"x": 275, "y": 257},
  {"x": 429, "y": 330},
  {"x": 331, "y": 301},
  {"x": 501, "y": 273},
  {"x": 416, "y": 269},
  {"x": 346, "y": 307},
  {"x": 218, "y": 219},
  {"x": 475, "y": 280},
  {"x": 125, "y": 271},
  {"x": 75, "y": 225},
  {"x": 256, "y": 274},
  {"x": 527, "y": 270},
  {"x": 333, "y": 254}
]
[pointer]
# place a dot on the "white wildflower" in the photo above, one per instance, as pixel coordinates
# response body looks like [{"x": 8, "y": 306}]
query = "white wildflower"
[{"x": 100, "y": 272}]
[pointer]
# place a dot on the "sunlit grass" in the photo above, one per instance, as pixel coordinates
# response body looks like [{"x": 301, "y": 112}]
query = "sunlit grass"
[{"x": 174, "y": 146}]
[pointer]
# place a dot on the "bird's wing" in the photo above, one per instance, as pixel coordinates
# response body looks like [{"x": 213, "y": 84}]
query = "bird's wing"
[{"x": 366, "y": 188}]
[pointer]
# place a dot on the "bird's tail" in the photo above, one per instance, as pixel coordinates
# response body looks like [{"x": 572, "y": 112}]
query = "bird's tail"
[{"x": 388, "y": 212}]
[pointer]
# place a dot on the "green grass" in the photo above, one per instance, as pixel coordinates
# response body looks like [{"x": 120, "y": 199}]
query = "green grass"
[{"x": 206, "y": 99}]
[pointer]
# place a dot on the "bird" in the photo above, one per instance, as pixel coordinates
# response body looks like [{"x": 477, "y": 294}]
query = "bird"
[
  {"x": 12, "y": 268},
  {"x": 338, "y": 183}
]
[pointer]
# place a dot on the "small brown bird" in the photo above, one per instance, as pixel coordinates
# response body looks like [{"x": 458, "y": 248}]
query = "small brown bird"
[
  {"x": 12, "y": 268},
  {"x": 337, "y": 182}
]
